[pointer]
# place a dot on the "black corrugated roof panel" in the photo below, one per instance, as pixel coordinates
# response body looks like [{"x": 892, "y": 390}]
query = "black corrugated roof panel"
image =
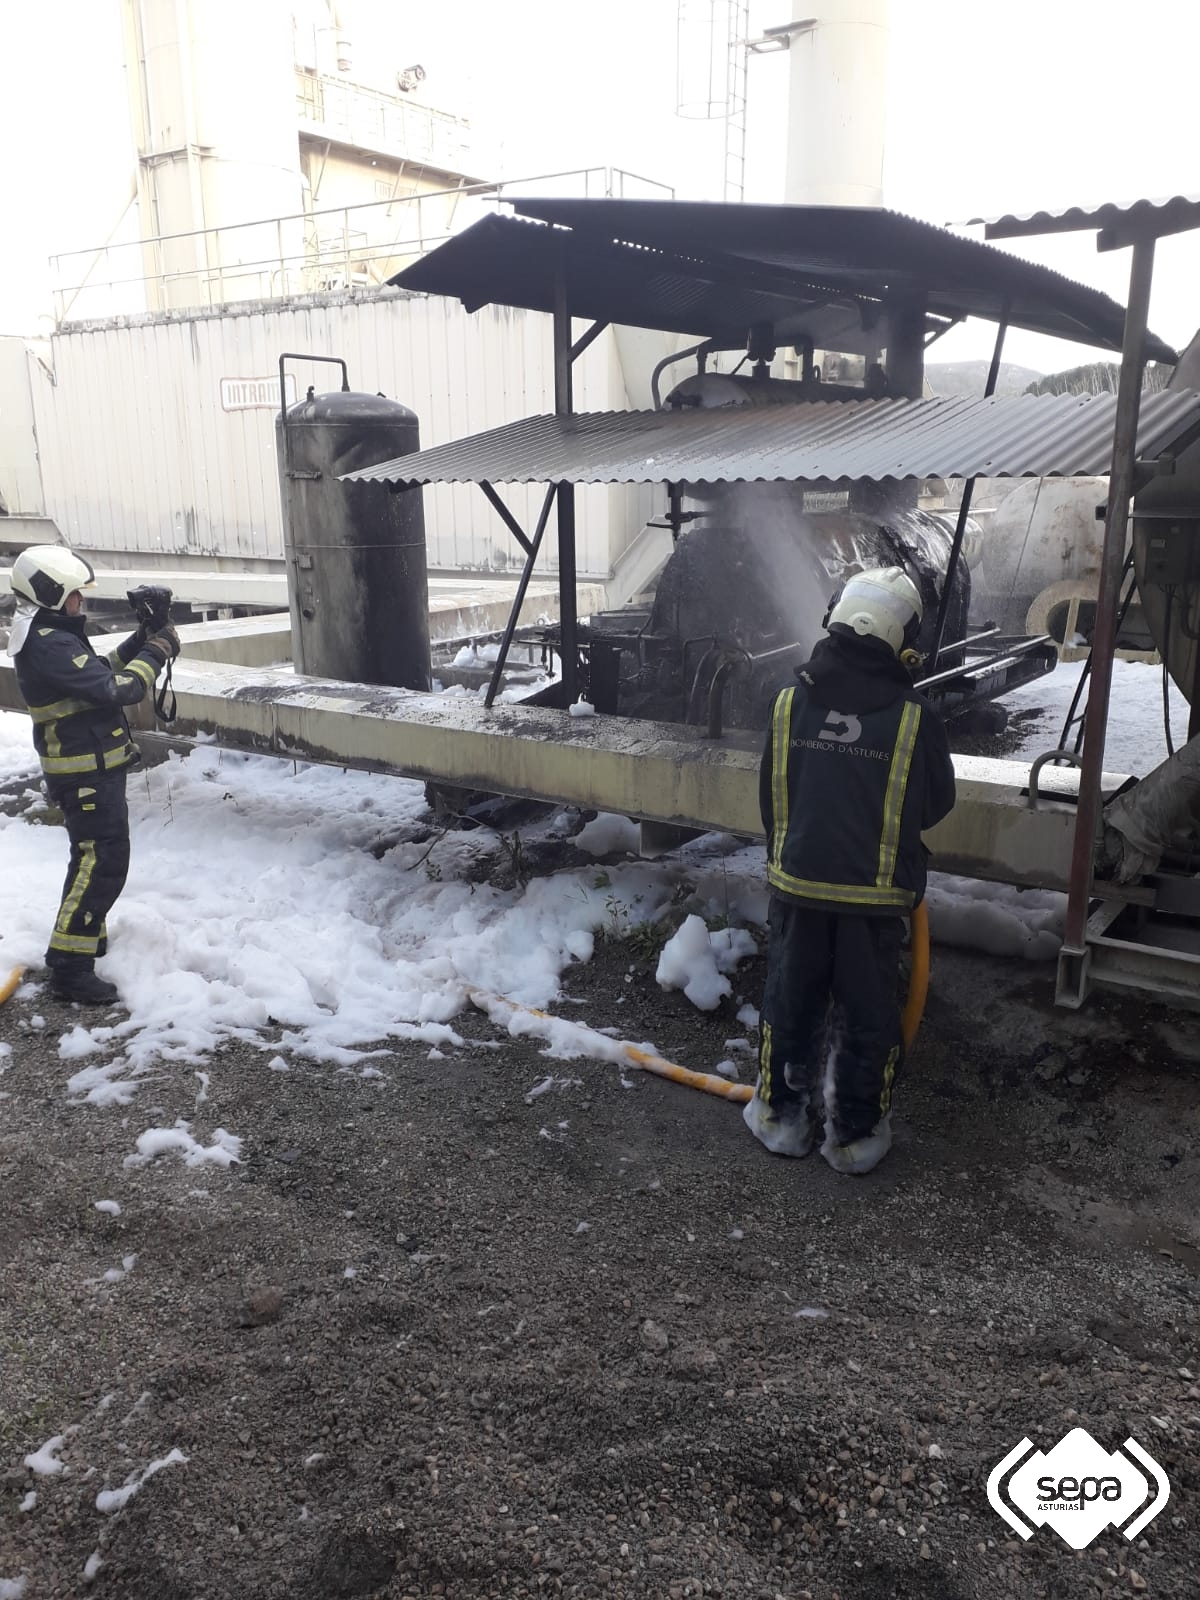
[
  {"x": 1022, "y": 436},
  {"x": 710, "y": 269}
]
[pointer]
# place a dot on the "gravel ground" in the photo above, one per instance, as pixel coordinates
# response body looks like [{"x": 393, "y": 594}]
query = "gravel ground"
[{"x": 431, "y": 1338}]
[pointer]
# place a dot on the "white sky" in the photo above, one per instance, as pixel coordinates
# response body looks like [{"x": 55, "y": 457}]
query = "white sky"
[{"x": 991, "y": 108}]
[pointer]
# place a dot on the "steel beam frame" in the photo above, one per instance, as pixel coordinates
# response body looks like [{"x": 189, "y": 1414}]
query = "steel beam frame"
[{"x": 1073, "y": 962}]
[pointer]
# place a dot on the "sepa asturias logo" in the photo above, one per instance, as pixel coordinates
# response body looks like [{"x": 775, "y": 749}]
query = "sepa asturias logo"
[{"x": 1078, "y": 1488}]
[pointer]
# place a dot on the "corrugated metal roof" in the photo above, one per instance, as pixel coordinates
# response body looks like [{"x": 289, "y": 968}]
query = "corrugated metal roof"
[
  {"x": 710, "y": 270},
  {"x": 1169, "y": 214},
  {"x": 1023, "y": 436}
]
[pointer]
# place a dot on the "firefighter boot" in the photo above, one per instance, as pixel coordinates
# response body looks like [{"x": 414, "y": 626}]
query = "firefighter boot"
[
  {"x": 77, "y": 982},
  {"x": 861, "y": 1155},
  {"x": 784, "y": 1131}
]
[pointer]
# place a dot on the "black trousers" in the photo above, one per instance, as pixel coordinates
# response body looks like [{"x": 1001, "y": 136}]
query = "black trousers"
[
  {"x": 830, "y": 1025},
  {"x": 97, "y": 820}
]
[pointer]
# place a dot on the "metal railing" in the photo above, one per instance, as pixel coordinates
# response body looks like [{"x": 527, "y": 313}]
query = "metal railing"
[
  {"x": 307, "y": 252},
  {"x": 374, "y": 120}
]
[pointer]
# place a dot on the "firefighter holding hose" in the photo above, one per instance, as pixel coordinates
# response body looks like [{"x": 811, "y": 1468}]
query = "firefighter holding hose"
[
  {"x": 856, "y": 766},
  {"x": 75, "y": 698}
]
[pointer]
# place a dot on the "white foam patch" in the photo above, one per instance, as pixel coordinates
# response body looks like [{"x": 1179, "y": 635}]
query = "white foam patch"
[
  {"x": 13, "y": 1588},
  {"x": 110, "y": 1208},
  {"x": 109, "y": 1501},
  {"x": 547, "y": 1085},
  {"x": 116, "y": 1274},
  {"x": 45, "y": 1462},
  {"x": 224, "y": 1150},
  {"x": 607, "y": 835},
  {"x": 79, "y": 1041},
  {"x": 996, "y": 918},
  {"x": 697, "y": 961}
]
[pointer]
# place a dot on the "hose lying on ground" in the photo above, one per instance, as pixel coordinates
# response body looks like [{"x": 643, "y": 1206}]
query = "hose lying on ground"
[
  {"x": 621, "y": 1050},
  {"x": 10, "y": 985},
  {"x": 711, "y": 1082}
]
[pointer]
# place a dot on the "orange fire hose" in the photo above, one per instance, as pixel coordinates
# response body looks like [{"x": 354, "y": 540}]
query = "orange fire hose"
[
  {"x": 712, "y": 1082},
  {"x": 10, "y": 985},
  {"x": 918, "y": 975}
]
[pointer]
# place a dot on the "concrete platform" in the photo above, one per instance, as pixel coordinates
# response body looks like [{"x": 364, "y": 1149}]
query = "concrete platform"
[{"x": 651, "y": 771}]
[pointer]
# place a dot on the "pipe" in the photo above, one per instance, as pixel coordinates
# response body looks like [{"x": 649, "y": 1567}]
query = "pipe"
[
  {"x": 964, "y": 508},
  {"x": 10, "y": 985},
  {"x": 1112, "y": 566},
  {"x": 1071, "y": 757},
  {"x": 702, "y": 349}
]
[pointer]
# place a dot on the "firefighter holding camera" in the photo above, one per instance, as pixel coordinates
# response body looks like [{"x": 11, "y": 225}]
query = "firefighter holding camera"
[{"x": 75, "y": 698}]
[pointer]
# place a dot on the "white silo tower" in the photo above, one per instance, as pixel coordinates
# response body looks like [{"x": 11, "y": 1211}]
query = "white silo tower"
[
  {"x": 837, "y": 102},
  {"x": 212, "y": 89}
]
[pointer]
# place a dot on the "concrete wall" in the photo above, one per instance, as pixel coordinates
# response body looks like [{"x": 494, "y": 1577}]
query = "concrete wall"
[{"x": 141, "y": 454}]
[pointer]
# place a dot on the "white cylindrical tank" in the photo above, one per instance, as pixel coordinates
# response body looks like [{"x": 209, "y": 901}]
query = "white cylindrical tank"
[
  {"x": 213, "y": 94},
  {"x": 1043, "y": 539},
  {"x": 837, "y": 104}
]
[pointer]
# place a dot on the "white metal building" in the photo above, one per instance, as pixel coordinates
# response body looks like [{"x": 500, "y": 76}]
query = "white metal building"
[{"x": 152, "y": 437}]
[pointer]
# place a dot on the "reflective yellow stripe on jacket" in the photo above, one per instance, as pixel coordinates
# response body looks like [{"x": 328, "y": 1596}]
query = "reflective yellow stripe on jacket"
[
  {"x": 881, "y": 893},
  {"x": 57, "y": 766},
  {"x": 893, "y": 805},
  {"x": 59, "y": 708}
]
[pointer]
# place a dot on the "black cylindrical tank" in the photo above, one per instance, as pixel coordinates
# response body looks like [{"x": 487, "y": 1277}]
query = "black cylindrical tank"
[
  {"x": 758, "y": 570},
  {"x": 357, "y": 584}
]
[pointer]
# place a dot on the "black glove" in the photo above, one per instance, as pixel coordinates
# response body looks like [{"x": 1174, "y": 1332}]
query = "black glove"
[{"x": 164, "y": 644}]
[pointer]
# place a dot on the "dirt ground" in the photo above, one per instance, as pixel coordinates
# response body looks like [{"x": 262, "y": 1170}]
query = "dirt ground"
[{"x": 432, "y": 1338}]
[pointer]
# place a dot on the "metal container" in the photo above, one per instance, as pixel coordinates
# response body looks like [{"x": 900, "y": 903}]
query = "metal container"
[
  {"x": 1043, "y": 544},
  {"x": 355, "y": 552},
  {"x": 756, "y": 573}
]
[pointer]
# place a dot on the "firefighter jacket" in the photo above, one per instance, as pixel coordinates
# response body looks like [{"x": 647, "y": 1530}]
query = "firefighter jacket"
[
  {"x": 857, "y": 764},
  {"x": 75, "y": 696}
]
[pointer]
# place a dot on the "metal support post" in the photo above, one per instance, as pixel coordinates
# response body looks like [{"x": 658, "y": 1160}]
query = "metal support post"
[
  {"x": 964, "y": 509},
  {"x": 532, "y": 547},
  {"x": 1104, "y": 637},
  {"x": 566, "y": 494}
]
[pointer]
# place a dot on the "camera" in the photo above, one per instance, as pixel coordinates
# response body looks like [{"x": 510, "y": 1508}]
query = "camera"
[{"x": 151, "y": 605}]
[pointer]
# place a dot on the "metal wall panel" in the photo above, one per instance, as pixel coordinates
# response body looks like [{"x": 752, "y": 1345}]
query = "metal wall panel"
[
  {"x": 20, "y": 480},
  {"x": 139, "y": 456}
]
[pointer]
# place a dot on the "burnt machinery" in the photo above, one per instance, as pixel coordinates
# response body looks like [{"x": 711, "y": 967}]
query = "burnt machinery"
[{"x": 774, "y": 491}]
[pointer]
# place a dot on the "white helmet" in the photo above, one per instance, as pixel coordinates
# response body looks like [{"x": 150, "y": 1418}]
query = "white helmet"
[
  {"x": 48, "y": 573},
  {"x": 884, "y": 604}
]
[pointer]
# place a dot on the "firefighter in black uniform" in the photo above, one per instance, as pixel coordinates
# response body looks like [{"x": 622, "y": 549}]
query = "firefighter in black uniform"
[
  {"x": 856, "y": 766},
  {"x": 83, "y": 741}
]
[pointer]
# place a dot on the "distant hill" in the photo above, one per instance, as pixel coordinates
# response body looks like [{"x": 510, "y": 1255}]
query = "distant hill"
[
  {"x": 952, "y": 378},
  {"x": 1099, "y": 377}
]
